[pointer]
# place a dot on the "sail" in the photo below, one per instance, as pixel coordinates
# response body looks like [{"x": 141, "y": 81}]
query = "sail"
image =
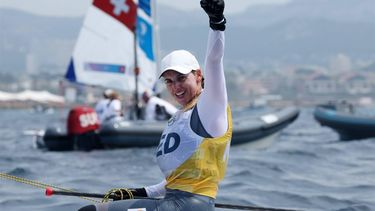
[{"x": 104, "y": 52}]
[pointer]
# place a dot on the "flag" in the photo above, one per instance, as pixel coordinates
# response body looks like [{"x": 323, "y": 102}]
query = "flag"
[
  {"x": 124, "y": 11},
  {"x": 145, "y": 44},
  {"x": 145, "y": 6},
  {"x": 144, "y": 34}
]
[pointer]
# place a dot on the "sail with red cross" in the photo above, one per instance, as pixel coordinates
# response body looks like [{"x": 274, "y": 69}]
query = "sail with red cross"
[
  {"x": 124, "y": 11},
  {"x": 104, "y": 51}
]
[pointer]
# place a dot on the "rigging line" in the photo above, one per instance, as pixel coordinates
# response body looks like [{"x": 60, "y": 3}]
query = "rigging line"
[
  {"x": 65, "y": 191},
  {"x": 39, "y": 184}
]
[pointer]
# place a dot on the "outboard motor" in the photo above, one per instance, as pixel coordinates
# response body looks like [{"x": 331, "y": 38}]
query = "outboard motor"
[
  {"x": 81, "y": 127},
  {"x": 82, "y": 119}
]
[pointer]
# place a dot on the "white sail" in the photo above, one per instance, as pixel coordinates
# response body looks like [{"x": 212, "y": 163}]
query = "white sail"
[{"x": 104, "y": 52}]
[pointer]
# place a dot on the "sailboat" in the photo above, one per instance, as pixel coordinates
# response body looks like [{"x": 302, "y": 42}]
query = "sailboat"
[{"x": 116, "y": 49}]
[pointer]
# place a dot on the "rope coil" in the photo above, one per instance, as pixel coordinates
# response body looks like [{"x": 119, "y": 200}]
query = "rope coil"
[{"x": 116, "y": 191}]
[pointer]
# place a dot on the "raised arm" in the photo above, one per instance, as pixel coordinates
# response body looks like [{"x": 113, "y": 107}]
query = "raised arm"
[{"x": 212, "y": 105}]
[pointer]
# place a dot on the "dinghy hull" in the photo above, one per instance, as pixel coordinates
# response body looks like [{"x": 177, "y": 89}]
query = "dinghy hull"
[
  {"x": 126, "y": 134},
  {"x": 348, "y": 126}
]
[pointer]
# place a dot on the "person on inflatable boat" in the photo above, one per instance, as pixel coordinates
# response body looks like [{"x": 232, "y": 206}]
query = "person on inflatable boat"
[
  {"x": 102, "y": 105},
  {"x": 194, "y": 147}
]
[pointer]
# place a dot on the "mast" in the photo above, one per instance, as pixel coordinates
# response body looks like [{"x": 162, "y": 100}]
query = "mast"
[{"x": 136, "y": 73}]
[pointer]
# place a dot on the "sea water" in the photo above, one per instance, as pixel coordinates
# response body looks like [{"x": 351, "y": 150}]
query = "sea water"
[{"x": 305, "y": 168}]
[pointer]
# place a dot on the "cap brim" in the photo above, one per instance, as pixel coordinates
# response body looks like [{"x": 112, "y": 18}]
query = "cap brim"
[{"x": 179, "y": 69}]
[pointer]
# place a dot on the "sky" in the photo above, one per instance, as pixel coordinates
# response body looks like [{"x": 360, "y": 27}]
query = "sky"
[{"x": 69, "y": 8}]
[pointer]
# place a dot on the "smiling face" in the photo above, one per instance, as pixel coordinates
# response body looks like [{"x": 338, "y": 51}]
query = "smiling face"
[{"x": 183, "y": 87}]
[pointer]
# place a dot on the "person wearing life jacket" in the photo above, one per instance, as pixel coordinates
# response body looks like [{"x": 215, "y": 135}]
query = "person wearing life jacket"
[
  {"x": 157, "y": 108},
  {"x": 194, "y": 147}
]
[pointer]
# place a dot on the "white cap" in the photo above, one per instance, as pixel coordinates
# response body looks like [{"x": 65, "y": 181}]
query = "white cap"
[
  {"x": 181, "y": 61},
  {"x": 108, "y": 92}
]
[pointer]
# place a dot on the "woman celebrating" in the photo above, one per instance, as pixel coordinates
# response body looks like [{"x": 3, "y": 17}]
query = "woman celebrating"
[{"x": 194, "y": 147}]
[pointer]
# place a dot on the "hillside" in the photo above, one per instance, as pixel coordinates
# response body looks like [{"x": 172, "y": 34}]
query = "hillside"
[{"x": 301, "y": 32}]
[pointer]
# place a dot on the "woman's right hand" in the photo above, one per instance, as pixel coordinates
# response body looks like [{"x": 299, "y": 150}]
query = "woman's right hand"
[
  {"x": 215, "y": 11},
  {"x": 126, "y": 193}
]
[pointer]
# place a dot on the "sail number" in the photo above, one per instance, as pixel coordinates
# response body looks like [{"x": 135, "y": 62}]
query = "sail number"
[
  {"x": 88, "y": 119},
  {"x": 168, "y": 143}
]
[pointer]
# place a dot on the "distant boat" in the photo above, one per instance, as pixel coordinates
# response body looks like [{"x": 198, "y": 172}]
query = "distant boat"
[
  {"x": 116, "y": 47},
  {"x": 256, "y": 129},
  {"x": 345, "y": 122}
]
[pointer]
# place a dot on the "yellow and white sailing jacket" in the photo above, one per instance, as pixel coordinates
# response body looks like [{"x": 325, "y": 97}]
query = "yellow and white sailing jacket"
[{"x": 190, "y": 162}]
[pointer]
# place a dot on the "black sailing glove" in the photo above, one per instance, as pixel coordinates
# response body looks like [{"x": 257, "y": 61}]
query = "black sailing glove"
[
  {"x": 125, "y": 193},
  {"x": 215, "y": 11}
]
